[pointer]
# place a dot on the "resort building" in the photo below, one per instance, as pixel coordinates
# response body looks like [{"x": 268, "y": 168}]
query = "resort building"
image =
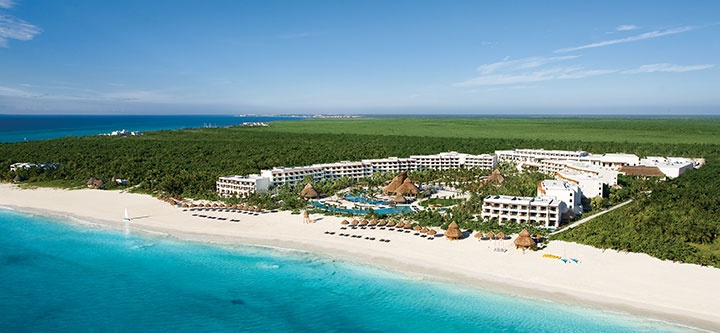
[
  {"x": 590, "y": 185},
  {"x": 454, "y": 160},
  {"x": 544, "y": 211},
  {"x": 242, "y": 185},
  {"x": 671, "y": 167},
  {"x": 567, "y": 192},
  {"x": 19, "y": 166},
  {"x": 536, "y": 155}
]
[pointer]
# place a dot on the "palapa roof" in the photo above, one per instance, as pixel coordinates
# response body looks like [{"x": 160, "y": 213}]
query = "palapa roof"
[
  {"x": 490, "y": 234},
  {"x": 453, "y": 232},
  {"x": 344, "y": 222},
  {"x": 479, "y": 234},
  {"x": 431, "y": 232},
  {"x": 500, "y": 235},
  {"x": 495, "y": 177},
  {"x": 309, "y": 192},
  {"x": 644, "y": 171},
  {"x": 396, "y": 182},
  {"x": 407, "y": 187},
  {"x": 399, "y": 198},
  {"x": 523, "y": 240}
]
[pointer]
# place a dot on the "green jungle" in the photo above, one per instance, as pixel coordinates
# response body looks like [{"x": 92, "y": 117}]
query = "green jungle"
[{"x": 674, "y": 220}]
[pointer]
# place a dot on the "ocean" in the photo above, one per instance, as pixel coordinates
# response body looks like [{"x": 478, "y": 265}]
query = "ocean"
[
  {"x": 16, "y": 128},
  {"x": 59, "y": 275}
]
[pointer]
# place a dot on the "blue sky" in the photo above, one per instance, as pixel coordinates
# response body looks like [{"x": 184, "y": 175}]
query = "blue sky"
[{"x": 235, "y": 56}]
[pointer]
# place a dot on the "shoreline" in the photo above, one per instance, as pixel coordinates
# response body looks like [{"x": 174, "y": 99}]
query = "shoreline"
[{"x": 682, "y": 294}]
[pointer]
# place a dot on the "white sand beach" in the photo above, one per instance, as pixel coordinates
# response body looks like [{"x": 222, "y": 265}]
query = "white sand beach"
[{"x": 636, "y": 283}]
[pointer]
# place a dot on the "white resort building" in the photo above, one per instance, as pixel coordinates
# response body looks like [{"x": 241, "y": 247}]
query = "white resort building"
[
  {"x": 243, "y": 185},
  {"x": 542, "y": 211}
]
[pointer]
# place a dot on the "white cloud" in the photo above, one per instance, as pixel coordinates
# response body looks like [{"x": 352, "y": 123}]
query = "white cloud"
[
  {"x": 6, "y": 4},
  {"x": 647, "y": 35},
  {"x": 528, "y": 70},
  {"x": 14, "y": 28},
  {"x": 12, "y": 92},
  {"x": 672, "y": 68},
  {"x": 520, "y": 64},
  {"x": 627, "y": 27}
]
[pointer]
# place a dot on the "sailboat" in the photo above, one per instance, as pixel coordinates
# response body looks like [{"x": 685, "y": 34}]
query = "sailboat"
[{"x": 127, "y": 217}]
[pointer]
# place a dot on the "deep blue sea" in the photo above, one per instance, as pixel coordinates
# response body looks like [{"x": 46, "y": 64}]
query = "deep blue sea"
[
  {"x": 15, "y": 128},
  {"x": 60, "y": 276}
]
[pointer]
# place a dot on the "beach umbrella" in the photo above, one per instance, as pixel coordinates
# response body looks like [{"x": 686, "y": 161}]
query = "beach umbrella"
[
  {"x": 354, "y": 222},
  {"x": 424, "y": 230},
  {"x": 432, "y": 232},
  {"x": 407, "y": 226},
  {"x": 417, "y": 228},
  {"x": 373, "y": 222},
  {"x": 363, "y": 222},
  {"x": 479, "y": 234},
  {"x": 453, "y": 232},
  {"x": 345, "y": 222},
  {"x": 524, "y": 240},
  {"x": 501, "y": 235},
  {"x": 382, "y": 223},
  {"x": 490, "y": 235},
  {"x": 391, "y": 224}
]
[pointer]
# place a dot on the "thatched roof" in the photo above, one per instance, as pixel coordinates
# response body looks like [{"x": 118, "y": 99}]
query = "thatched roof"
[
  {"x": 309, "y": 192},
  {"x": 453, "y": 232},
  {"x": 407, "y": 187},
  {"x": 490, "y": 235},
  {"x": 431, "y": 232},
  {"x": 500, "y": 235},
  {"x": 399, "y": 198},
  {"x": 417, "y": 228},
  {"x": 391, "y": 224},
  {"x": 396, "y": 182},
  {"x": 345, "y": 222},
  {"x": 479, "y": 235},
  {"x": 495, "y": 177},
  {"x": 642, "y": 171},
  {"x": 524, "y": 241}
]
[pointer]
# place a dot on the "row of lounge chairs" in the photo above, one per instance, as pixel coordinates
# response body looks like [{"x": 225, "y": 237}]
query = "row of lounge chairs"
[{"x": 357, "y": 236}]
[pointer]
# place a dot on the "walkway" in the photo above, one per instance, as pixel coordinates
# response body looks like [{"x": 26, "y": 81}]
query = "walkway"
[{"x": 577, "y": 223}]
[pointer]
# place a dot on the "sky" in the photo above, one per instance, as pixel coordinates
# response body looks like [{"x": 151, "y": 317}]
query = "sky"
[{"x": 359, "y": 57}]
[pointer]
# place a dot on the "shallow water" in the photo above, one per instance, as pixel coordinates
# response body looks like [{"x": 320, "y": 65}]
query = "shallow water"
[{"x": 56, "y": 276}]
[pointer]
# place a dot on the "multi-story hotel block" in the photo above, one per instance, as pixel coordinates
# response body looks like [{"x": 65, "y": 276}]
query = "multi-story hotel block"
[
  {"x": 542, "y": 211},
  {"x": 243, "y": 185}
]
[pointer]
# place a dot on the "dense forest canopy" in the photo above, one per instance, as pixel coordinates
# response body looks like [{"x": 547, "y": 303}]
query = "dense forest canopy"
[{"x": 676, "y": 219}]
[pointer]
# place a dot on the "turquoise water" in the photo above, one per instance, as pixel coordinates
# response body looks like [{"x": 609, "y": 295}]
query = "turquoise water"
[
  {"x": 15, "y": 128},
  {"x": 64, "y": 277},
  {"x": 382, "y": 211}
]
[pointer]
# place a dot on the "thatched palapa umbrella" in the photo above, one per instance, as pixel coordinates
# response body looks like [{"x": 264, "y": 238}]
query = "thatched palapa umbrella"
[
  {"x": 355, "y": 222},
  {"x": 417, "y": 228},
  {"x": 391, "y": 224},
  {"x": 408, "y": 226},
  {"x": 524, "y": 241},
  {"x": 501, "y": 235},
  {"x": 424, "y": 230},
  {"x": 345, "y": 222},
  {"x": 382, "y": 223},
  {"x": 308, "y": 192},
  {"x": 432, "y": 232},
  {"x": 399, "y": 198},
  {"x": 479, "y": 234},
  {"x": 490, "y": 235},
  {"x": 453, "y": 232}
]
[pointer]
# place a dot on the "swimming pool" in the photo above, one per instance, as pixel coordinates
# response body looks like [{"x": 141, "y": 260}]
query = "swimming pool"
[{"x": 360, "y": 211}]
